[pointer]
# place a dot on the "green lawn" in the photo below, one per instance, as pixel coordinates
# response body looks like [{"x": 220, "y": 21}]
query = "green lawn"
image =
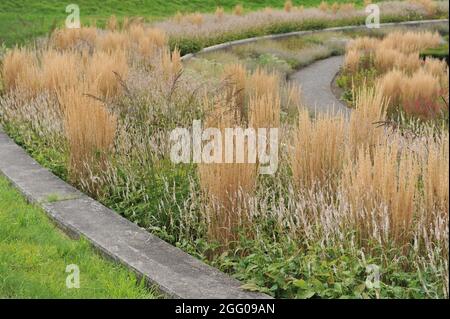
[
  {"x": 34, "y": 255},
  {"x": 21, "y": 20}
]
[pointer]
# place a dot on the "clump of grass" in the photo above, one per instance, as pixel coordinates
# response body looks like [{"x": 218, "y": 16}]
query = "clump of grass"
[
  {"x": 113, "y": 41},
  {"x": 385, "y": 59},
  {"x": 435, "y": 67},
  {"x": 238, "y": 10},
  {"x": 104, "y": 72},
  {"x": 347, "y": 8},
  {"x": 67, "y": 38},
  {"x": 195, "y": 19},
  {"x": 112, "y": 24},
  {"x": 413, "y": 86},
  {"x": 300, "y": 8},
  {"x": 370, "y": 108},
  {"x": 418, "y": 94},
  {"x": 178, "y": 17},
  {"x": 265, "y": 110},
  {"x": 351, "y": 61},
  {"x": 171, "y": 64},
  {"x": 436, "y": 182},
  {"x": 380, "y": 187},
  {"x": 323, "y": 6},
  {"x": 318, "y": 150},
  {"x": 90, "y": 131},
  {"x": 14, "y": 65},
  {"x": 268, "y": 10},
  {"x": 335, "y": 7},
  {"x": 261, "y": 83},
  {"x": 57, "y": 71},
  {"x": 365, "y": 44},
  {"x": 390, "y": 84},
  {"x": 429, "y": 5},
  {"x": 219, "y": 13},
  {"x": 288, "y": 6},
  {"x": 227, "y": 186},
  {"x": 409, "y": 42},
  {"x": 47, "y": 71},
  {"x": 235, "y": 78}
]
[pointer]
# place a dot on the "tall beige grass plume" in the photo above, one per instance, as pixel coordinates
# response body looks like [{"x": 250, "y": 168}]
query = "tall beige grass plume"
[
  {"x": 219, "y": 13},
  {"x": 318, "y": 149},
  {"x": 238, "y": 10}
]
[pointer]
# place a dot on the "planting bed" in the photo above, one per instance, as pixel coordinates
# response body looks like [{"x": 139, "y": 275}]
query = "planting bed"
[{"x": 347, "y": 193}]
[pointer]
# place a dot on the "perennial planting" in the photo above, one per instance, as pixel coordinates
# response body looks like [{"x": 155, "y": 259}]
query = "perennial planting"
[{"x": 98, "y": 107}]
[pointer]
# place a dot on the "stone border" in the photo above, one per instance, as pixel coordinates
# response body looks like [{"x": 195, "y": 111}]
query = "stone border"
[
  {"x": 227, "y": 45},
  {"x": 175, "y": 272}
]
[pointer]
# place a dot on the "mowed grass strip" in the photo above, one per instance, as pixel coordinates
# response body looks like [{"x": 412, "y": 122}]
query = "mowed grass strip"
[
  {"x": 23, "y": 20},
  {"x": 34, "y": 255}
]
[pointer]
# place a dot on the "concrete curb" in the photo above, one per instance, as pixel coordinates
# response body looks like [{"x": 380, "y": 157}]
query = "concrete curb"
[
  {"x": 176, "y": 273},
  {"x": 227, "y": 45}
]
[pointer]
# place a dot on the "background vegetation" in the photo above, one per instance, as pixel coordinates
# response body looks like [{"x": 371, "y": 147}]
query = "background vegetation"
[{"x": 21, "y": 20}]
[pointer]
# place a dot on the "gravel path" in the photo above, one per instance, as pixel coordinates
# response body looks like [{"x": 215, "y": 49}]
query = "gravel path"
[{"x": 315, "y": 81}]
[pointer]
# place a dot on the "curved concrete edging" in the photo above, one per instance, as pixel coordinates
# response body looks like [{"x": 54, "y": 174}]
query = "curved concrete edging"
[
  {"x": 175, "y": 272},
  {"x": 230, "y": 44}
]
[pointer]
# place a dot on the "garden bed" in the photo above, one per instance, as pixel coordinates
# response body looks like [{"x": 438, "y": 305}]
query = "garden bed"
[{"x": 298, "y": 233}]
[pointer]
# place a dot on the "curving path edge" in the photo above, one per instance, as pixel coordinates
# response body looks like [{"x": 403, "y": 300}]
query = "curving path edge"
[{"x": 315, "y": 82}]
